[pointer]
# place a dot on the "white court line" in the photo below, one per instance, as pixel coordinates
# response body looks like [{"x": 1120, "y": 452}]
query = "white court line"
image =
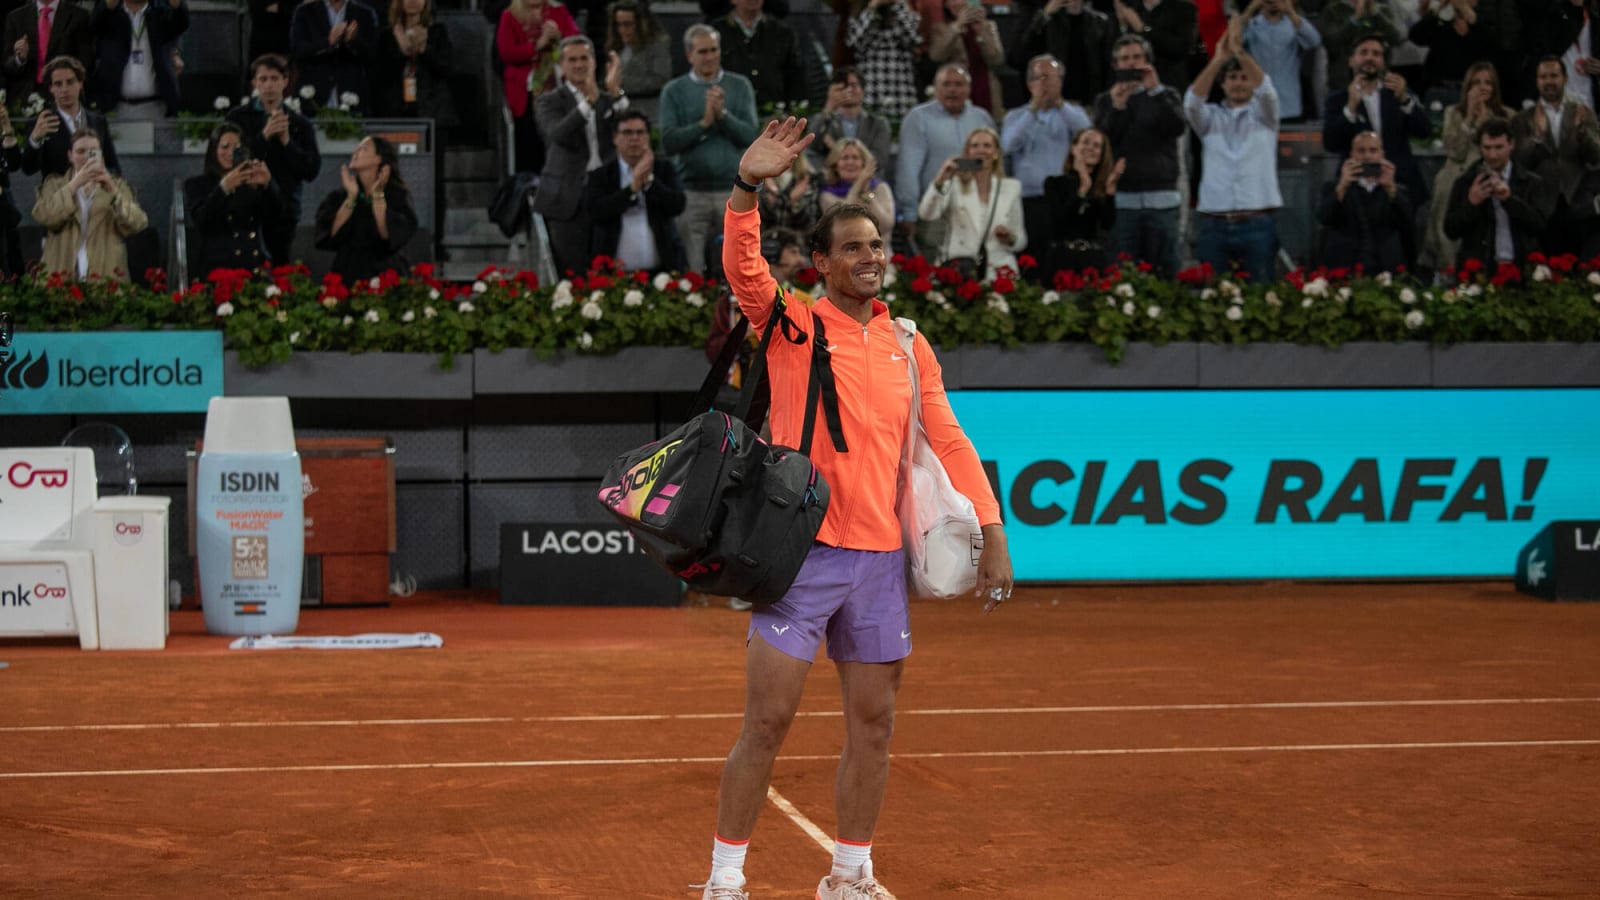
[
  {"x": 832, "y": 714},
  {"x": 680, "y": 760},
  {"x": 809, "y": 827}
]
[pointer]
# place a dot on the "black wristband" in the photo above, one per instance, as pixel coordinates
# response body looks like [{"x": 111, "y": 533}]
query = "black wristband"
[{"x": 743, "y": 185}]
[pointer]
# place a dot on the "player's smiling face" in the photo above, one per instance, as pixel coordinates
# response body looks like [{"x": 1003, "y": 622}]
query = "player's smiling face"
[{"x": 853, "y": 265}]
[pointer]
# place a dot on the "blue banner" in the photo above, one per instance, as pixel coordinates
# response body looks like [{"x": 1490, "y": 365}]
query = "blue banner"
[
  {"x": 1263, "y": 484},
  {"x": 111, "y": 372}
]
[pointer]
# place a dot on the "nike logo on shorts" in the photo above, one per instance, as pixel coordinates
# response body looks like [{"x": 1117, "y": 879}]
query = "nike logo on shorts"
[{"x": 778, "y": 630}]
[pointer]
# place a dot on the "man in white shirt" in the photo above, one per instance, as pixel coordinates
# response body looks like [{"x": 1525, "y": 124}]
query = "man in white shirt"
[
  {"x": 931, "y": 133},
  {"x": 635, "y": 202},
  {"x": 1557, "y": 138},
  {"x": 1239, "y": 194},
  {"x": 1497, "y": 210},
  {"x": 575, "y": 120},
  {"x": 136, "y": 38},
  {"x": 1038, "y": 136}
]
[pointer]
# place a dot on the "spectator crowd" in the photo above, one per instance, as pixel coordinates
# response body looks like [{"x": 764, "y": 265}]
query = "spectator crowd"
[{"x": 1147, "y": 130}]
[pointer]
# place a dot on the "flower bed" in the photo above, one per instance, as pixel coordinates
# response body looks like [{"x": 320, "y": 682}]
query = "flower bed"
[{"x": 268, "y": 315}]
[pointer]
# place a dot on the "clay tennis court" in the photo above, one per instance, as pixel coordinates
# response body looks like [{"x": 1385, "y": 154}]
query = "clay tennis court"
[{"x": 1230, "y": 741}]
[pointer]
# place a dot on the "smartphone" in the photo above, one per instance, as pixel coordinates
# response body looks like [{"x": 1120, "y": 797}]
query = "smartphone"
[
  {"x": 968, "y": 164},
  {"x": 94, "y": 153},
  {"x": 1372, "y": 170},
  {"x": 1130, "y": 75},
  {"x": 241, "y": 154}
]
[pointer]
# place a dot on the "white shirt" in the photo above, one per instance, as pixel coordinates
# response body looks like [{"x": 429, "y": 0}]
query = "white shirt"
[
  {"x": 85, "y": 200},
  {"x": 966, "y": 215},
  {"x": 1578, "y": 84},
  {"x": 1241, "y": 151},
  {"x": 139, "y": 76},
  {"x": 637, "y": 245},
  {"x": 588, "y": 128},
  {"x": 1552, "y": 114},
  {"x": 1505, "y": 249}
]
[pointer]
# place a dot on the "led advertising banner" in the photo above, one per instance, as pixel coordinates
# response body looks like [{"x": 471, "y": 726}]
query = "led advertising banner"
[
  {"x": 111, "y": 372},
  {"x": 1264, "y": 484}
]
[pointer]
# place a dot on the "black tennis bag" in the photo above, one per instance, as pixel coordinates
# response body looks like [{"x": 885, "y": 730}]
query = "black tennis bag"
[{"x": 712, "y": 502}]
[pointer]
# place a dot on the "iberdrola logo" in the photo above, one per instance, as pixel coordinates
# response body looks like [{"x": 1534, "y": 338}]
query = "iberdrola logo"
[{"x": 25, "y": 371}]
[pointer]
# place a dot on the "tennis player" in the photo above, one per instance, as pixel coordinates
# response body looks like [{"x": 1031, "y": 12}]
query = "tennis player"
[{"x": 851, "y": 590}]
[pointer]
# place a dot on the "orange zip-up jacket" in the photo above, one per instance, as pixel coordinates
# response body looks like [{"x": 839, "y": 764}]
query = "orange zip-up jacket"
[{"x": 874, "y": 386}]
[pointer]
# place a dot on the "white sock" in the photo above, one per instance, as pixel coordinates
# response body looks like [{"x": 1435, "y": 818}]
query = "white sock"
[
  {"x": 726, "y": 854},
  {"x": 849, "y": 857}
]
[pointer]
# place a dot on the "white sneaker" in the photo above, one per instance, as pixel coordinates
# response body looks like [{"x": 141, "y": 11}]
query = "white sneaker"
[
  {"x": 725, "y": 884},
  {"x": 863, "y": 888}
]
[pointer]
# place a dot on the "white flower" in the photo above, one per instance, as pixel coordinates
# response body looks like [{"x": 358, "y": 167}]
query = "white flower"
[
  {"x": 1111, "y": 302},
  {"x": 374, "y": 284},
  {"x": 465, "y": 306},
  {"x": 330, "y": 302},
  {"x": 1234, "y": 314},
  {"x": 1237, "y": 301},
  {"x": 282, "y": 316},
  {"x": 1594, "y": 278},
  {"x": 349, "y": 320},
  {"x": 596, "y": 296},
  {"x": 1317, "y": 288},
  {"x": 1050, "y": 298},
  {"x": 999, "y": 304},
  {"x": 221, "y": 103},
  {"x": 1128, "y": 308},
  {"x": 1449, "y": 296},
  {"x": 1408, "y": 296},
  {"x": 633, "y": 298},
  {"x": 372, "y": 315},
  {"x": 662, "y": 282},
  {"x": 1153, "y": 312},
  {"x": 586, "y": 340},
  {"x": 1306, "y": 303},
  {"x": 294, "y": 337},
  {"x": 1473, "y": 290},
  {"x": 225, "y": 309},
  {"x": 1230, "y": 288},
  {"x": 889, "y": 297},
  {"x": 1272, "y": 299},
  {"x": 1207, "y": 293},
  {"x": 307, "y": 91},
  {"x": 889, "y": 276},
  {"x": 433, "y": 293},
  {"x": 408, "y": 316},
  {"x": 1414, "y": 319},
  {"x": 695, "y": 300},
  {"x": 684, "y": 285},
  {"x": 592, "y": 310},
  {"x": 1344, "y": 294},
  {"x": 1385, "y": 279},
  {"x": 429, "y": 312},
  {"x": 938, "y": 299},
  {"x": 1436, "y": 106},
  {"x": 1124, "y": 291},
  {"x": 1597, "y": 298},
  {"x": 479, "y": 287},
  {"x": 348, "y": 100},
  {"x": 272, "y": 291},
  {"x": 1541, "y": 273}
]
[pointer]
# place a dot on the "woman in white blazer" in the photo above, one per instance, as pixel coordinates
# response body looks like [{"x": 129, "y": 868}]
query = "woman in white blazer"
[{"x": 981, "y": 208}]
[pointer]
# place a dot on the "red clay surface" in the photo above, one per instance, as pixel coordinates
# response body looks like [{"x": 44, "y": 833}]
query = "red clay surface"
[{"x": 1082, "y": 742}]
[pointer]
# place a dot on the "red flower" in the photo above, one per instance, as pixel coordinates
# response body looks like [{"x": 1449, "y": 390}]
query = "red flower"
[
  {"x": 1471, "y": 266},
  {"x": 1193, "y": 275},
  {"x": 969, "y": 290},
  {"x": 487, "y": 271},
  {"x": 1536, "y": 258},
  {"x": 898, "y": 260},
  {"x": 530, "y": 280},
  {"x": 695, "y": 279},
  {"x": 1004, "y": 285},
  {"x": 1144, "y": 266},
  {"x": 921, "y": 284},
  {"x": 1564, "y": 262},
  {"x": 177, "y": 297},
  {"x": 75, "y": 292},
  {"x": 1505, "y": 274},
  {"x": 642, "y": 277},
  {"x": 1068, "y": 281},
  {"x": 599, "y": 282},
  {"x": 423, "y": 270},
  {"x": 947, "y": 274},
  {"x": 807, "y": 276},
  {"x": 579, "y": 284},
  {"x": 1027, "y": 262}
]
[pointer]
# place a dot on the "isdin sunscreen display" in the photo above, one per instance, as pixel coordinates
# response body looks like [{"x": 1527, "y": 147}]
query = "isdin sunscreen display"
[{"x": 249, "y": 517}]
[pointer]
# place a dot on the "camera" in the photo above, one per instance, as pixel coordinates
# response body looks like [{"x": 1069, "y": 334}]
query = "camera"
[
  {"x": 968, "y": 164},
  {"x": 1130, "y": 75},
  {"x": 1371, "y": 170}
]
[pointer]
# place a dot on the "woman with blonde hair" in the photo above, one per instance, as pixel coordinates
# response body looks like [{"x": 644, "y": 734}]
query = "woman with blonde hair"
[
  {"x": 87, "y": 214},
  {"x": 1480, "y": 102},
  {"x": 1081, "y": 204},
  {"x": 981, "y": 208},
  {"x": 851, "y": 176},
  {"x": 635, "y": 35},
  {"x": 791, "y": 200}
]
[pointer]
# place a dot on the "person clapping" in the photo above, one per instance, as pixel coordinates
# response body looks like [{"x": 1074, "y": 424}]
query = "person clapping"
[{"x": 369, "y": 221}]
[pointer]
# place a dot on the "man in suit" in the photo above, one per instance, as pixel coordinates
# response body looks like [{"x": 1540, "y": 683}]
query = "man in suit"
[
  {"x": 1566, "y": 29},
  {"x": 1378, "y": 100},
  {"x": 575, "y": 121},
  {"x": 1364, "y": 211},
  {"x": 1558, "y": 140},
  {"x": 38, "y": 32},
  {"x": 764, "y": 50},
  {"x": 335, "y": 44},
  {"x": 635, "y": 202},
  {"x": 282, "y": 138},
  {"x": 45, "y": 150},
  {"x": 135, "y": 74},
  {"x": 1497, "y": 210},
  {"x": 844, "y": 116}
]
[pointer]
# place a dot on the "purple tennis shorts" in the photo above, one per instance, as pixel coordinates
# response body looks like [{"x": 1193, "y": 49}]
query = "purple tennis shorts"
[{"x": 857, "y": 598}]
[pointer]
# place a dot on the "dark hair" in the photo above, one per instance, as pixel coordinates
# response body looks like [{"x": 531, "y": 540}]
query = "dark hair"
[
  {"x": 648, "y": 26},
  {"x": 214, "y": 168},
  {"x": 633, "y": 112},
  {"x": 1131, "y": 38},
  {"x": 390, "y": 157},
  {"x": 65, "y": 62},
  {"x": 821, "y": 240},
  {"x": 773, "y": 242},
  {"x": 1551, "y": 58},
  {"x": 1229, "y": 67},
  {"x": 841, "y": 75},
  {"x": 1371, "y": 36},
  {"x": 273, "y": 61},
  {"x": 1496, "y": 127}
]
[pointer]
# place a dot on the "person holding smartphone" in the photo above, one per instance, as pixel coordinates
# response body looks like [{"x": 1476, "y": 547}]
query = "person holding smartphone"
[
  {"x": 1498, "y": 210},
  {"x": 87, "y": 213},
  {"x": 1364, "y": 210},
  {"x": 980, "y": 208},
  {"x": 46, "y": 149},
  {"x": 230, "y": 206}
]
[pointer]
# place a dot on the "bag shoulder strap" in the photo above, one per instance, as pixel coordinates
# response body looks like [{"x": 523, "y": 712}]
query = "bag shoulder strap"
[
  {"x": 821, "y": 384},
  {"x": 718, "y": 373}
]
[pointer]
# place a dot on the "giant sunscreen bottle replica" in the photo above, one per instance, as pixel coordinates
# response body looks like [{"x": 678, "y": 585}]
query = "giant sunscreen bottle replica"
[{"x": 249, "y": 517}]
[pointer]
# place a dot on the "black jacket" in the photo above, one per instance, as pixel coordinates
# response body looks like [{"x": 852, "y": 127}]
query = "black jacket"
[
  {"x": 292, "y": 164},
  {"x": 227, "y": 231},
  {"x": 71, "y": 34},
  {"x": 50, "y": 158},
  {"x": 113, "y": 31},
  {"x": 358, "y": 252},
  {"x": 344, "y": 67},
  {"x": 1365, "y": 227},
  {"x": 432, "y": 71},
  {"x": 1527, "y": 211},
  {"x": 770, "y": 58},
  {"x": 607, "y": 198},
  {"x": 1145, "y": 133},
  {"x": 1083, "y": 45},
  {"x": 1399, "y": 127}
]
